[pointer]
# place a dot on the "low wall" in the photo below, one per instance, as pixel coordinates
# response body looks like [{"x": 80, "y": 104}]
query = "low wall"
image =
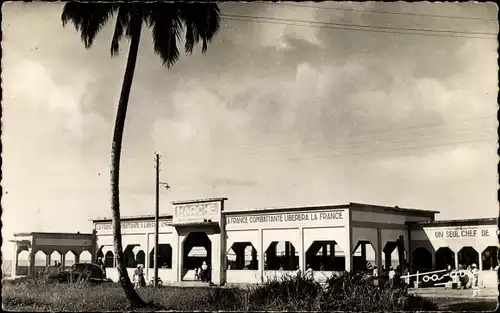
[
  {"x": 166, "y": 275},
  {"x": 242, "y": 277}
]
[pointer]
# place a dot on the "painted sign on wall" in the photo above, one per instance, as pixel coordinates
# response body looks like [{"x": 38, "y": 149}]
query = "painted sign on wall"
[
  {"x": 286, "y": 218},
  {"x": 196, "y": 212},
  {"x": 131, "y": 225},
  {"x": 462, "y": 233}
]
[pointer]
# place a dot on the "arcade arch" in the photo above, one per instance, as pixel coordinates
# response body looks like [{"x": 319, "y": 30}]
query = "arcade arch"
[
  {"x": 70, "y": 258},
  {"x": 129, "y": 257},
  {"x": 468, "y": 256},
  {"x": 109, "y": 259},
  {"x": 140, "y": 257},
  {"x": 444, "y": 257},
  {"x": 55, "y": 257},
  {"x": 242, "y": 255},
  {"x": 86, "y": 257},
  {"x": 164, "y": 256},
  {"x": 489, "y": 258},
  {"x": 192, "y": 258},
  {"x": 364, "y": 256},
  {"x": 281, "y": 255},
  {"x": 422, "y": 259},
  {"x": 324, "y": 255}
]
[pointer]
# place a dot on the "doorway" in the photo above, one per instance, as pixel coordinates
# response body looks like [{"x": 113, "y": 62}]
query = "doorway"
[{"x": 197, "y": 248}]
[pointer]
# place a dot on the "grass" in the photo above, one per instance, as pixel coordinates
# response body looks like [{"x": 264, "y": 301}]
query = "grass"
[{"x": 344, "y": 293}]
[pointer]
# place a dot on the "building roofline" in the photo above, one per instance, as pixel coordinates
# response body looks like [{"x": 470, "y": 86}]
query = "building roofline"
[
  {"x": 50, "y": 233},
  {"x": 457, "y": 222},
  {"x": 288, "y": 208},
  {"x": 395, "y": 209},
  {"x": 352, "y": 205},
  {"x": 199, "y": 200},
  {"x": 128, "y": 218}
]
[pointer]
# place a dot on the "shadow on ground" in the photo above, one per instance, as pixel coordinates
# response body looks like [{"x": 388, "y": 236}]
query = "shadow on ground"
[{"x": 475, "y": 305}]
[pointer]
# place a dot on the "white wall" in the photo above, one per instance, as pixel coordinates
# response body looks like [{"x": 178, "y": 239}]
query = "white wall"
[{"x": 457, "y": 237}]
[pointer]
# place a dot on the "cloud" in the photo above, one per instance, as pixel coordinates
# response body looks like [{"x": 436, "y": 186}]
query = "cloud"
[{"x": 271, "y": 115}]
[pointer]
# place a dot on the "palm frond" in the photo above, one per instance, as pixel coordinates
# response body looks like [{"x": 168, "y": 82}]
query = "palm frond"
[
  {"x": 88, "y": 18},
  {"x": 166, "y": 26},
  {"x": 202, "y": 21},
  {"x": 122, "y": 24}
]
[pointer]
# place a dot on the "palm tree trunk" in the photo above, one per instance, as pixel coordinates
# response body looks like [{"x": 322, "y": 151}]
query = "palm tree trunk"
[{"x": 132, "y": 296}]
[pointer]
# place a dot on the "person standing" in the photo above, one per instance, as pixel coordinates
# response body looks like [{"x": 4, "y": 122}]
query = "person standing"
[
  {"x": 204, "y": 271},
  {"x": 137, "y": 277},
  {"x": 476, "y": 291},
  {"x": 309, "y": 272},
  {"x": 392, "y": 274}
]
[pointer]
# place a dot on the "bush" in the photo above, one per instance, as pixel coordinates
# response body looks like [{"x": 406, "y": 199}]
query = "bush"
[
  {"x": 341, "y": 293},
  {"x": 353, "y": 292},
  {"x": 286, "y": 293}
]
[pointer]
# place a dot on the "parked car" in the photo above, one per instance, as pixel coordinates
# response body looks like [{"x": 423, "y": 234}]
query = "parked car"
[{"x": 87, "y": 272}]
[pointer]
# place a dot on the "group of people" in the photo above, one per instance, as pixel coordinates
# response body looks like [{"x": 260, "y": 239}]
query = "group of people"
[
  {"x": 202, "y": 273},
  {"x": 469, "y": 281},
  {"x": 138, "y": 278}
]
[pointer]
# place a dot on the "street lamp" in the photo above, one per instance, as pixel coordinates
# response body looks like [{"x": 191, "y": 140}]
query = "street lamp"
[{"x": 157, "y": 217}]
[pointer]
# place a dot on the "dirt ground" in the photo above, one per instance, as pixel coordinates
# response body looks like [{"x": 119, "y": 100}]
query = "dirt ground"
[{"x": 460, "y": 300}]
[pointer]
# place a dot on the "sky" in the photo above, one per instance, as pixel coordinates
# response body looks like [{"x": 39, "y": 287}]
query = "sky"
[{"x": 272, "y": 115}]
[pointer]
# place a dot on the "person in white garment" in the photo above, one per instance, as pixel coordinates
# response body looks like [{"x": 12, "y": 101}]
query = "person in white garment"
[
  {"x": 392, "y": 274},
  {"x": 204, "y": 271},
  {"x": 476, "y": 291},
  {"x": 137, "y": 276},
  {"x": 309, "y": 272}
]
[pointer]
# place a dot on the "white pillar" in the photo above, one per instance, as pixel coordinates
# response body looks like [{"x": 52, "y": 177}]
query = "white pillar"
[
  {"x": 348, "y": 246},
  {"x": 15, "y": 261},
  {"x": 180, "y": 245},
  {"x": 146, "y": 256},
  {"x": 262, "y": 256},
  {"x": 302, "y": 254},
  {"x": 456, "y": 259}
]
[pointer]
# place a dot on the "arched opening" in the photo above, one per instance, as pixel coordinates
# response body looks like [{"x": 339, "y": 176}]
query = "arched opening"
[
  {"x": 422, "y": 259},
  {"x": 468, "y": 256},
  {"x": 444, "y": 257},
  {"x": 129, "y": 257},
  {"x": 55, "y": 258},
  {"x": 242, "y": 255},
  {"x": 86, "y": 257},
  {"x": 22, "y": 262},
  {"x": 164, "y": 256},
  {"x": 281, "y": 255},
  {"x": 140, "y": 257},
  {"x": 325, "y": 255},
  {"x": 69, "y": 258},
  {"x": 40, "y": 263},
  {"x": 390, "y": 255},
  {"x": 363, "y": 256},
  {"x": 489, "y": 258},
  {"x": 99, "y": 255},
  {"x": 197, "y": 248},
  {"x": 109, "y": 259}
]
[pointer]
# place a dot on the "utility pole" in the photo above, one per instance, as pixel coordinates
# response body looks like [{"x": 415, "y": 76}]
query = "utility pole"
[{"x": 157, "y": 219}]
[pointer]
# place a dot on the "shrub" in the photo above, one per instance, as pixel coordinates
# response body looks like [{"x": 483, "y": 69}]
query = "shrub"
[
  {"x": 286, "y": 293},
  {"x": 347, "y": 292}
]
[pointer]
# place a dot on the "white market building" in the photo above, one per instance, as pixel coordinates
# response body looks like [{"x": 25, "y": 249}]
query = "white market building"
[{"x": 249, "y": 246}]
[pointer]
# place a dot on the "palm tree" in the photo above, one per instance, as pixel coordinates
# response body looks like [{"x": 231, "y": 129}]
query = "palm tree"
[{"x": 166, "y": 21}]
